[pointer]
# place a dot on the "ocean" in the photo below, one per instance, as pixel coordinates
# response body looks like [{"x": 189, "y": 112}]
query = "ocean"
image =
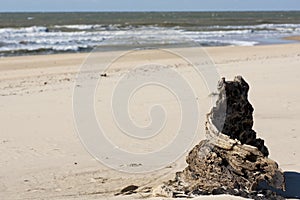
[{"x": 47, "y": 33}]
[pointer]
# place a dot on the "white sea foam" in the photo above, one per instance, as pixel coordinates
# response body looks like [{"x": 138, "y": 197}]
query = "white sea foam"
[
  {"x": 89, "y": 27},
  {"x": 80, "y": 27},
  {"x": 260, "y": 26},
  {"x": 33, "y": 29},
  {"x": 79, "y": 37}
]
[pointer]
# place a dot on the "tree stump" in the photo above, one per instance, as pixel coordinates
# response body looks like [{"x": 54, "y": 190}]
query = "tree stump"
[{"x": 232, "y": 160}]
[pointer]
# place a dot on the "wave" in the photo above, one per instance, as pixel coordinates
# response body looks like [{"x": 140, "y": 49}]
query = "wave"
[
  {"x": 82, "y": 37},
  {"x": 256, "y": 27},
  {"x": 95, "y": 27},
  {"x": 33, "y": 29},
  {"x": 80, "y": 27},
  {"x": 226, "y": 43}
]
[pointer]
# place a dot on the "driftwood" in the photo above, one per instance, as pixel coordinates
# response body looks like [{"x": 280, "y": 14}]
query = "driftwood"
[{"x": 232, "y": 160}]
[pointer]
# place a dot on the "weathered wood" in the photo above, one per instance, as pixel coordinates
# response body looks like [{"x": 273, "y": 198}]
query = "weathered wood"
[{"x": 232, "y": 160}]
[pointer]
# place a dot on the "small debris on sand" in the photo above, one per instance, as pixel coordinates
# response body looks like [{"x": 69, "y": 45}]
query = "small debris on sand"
[{"x": 131, "y": 189}]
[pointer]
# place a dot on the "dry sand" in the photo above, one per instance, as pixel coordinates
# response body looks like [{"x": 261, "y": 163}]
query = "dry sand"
[{"x": 43, "y": 158}]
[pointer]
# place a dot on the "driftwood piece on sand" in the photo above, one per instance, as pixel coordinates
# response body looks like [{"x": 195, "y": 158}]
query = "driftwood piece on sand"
[{"x": 232, "y": 160}]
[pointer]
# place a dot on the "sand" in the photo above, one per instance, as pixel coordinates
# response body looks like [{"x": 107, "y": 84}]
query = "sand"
[
  {"x": 42, "y": 156},
  {"x": 296, "y": 38}
]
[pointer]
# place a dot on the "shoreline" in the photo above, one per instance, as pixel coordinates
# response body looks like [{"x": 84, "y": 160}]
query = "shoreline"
[{"x": 114, "y": 49}]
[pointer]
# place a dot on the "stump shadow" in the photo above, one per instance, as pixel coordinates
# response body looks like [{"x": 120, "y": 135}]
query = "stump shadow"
[{"x": 292, "y": 184}]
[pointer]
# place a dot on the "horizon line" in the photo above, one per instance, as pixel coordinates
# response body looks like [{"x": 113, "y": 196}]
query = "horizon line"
[{"x": 146, "y": 11}]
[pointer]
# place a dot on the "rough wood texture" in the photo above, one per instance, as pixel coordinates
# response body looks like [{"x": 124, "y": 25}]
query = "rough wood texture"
[{"x": 231, "y": 160}]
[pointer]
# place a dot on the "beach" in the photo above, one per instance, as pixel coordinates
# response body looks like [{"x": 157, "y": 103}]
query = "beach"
[{"x": 42, "y": 156}]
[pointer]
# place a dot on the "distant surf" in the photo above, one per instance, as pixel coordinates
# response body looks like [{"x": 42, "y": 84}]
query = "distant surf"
[{"x": 16, "y": 39}]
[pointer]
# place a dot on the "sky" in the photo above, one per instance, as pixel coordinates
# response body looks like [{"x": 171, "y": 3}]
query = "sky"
[{"x": 146, "y": 5}]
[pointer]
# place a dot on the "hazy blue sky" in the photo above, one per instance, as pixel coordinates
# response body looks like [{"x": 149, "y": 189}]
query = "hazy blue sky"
[{"x": 146, "y": 5}]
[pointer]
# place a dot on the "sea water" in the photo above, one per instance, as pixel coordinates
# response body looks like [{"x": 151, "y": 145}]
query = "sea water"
[{"x": 44, "y": 33}]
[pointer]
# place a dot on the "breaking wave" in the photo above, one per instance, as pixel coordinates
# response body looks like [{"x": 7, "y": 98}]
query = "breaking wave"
[{"x": 74, "y": 38}]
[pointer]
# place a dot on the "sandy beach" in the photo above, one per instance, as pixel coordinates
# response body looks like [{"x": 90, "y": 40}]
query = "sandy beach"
[{"x": 42, "y": 156}]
